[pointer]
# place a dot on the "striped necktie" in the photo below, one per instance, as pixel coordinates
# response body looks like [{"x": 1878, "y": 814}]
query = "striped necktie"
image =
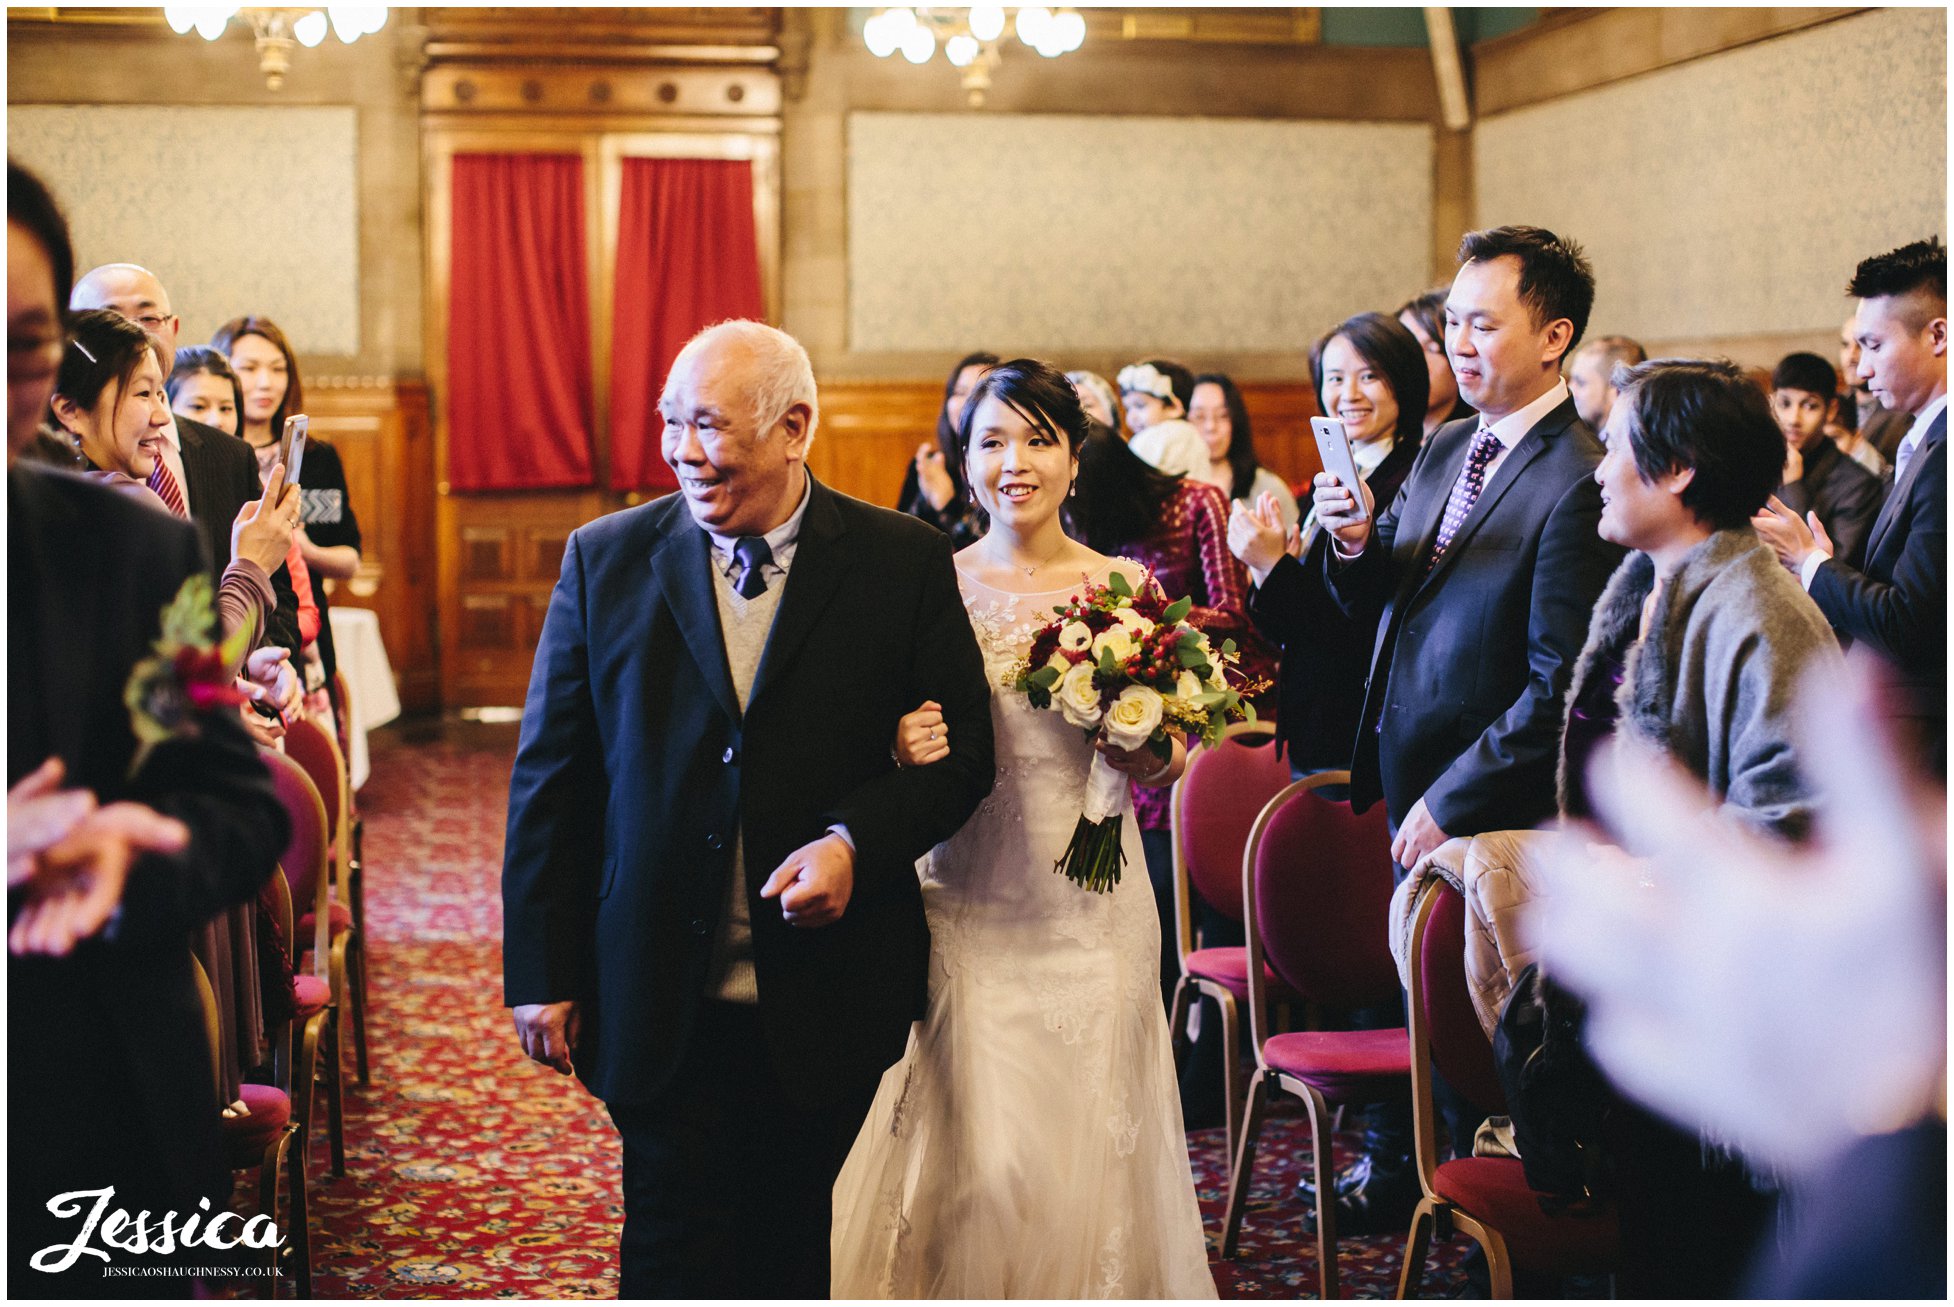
[{"x": 163, "y": 482}]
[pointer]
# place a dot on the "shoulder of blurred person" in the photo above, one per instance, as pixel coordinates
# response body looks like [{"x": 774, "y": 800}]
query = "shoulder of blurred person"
[{"x": 90, "y": 572}]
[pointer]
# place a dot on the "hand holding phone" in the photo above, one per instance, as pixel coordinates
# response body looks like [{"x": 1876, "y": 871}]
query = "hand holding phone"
[
  {"x": 1342, "y": 500},
  {"x": 291, "y": 446}
]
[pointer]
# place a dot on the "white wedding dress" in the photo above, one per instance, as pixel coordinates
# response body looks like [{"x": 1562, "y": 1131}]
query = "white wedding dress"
[{"x": 1029, "y": 1144}]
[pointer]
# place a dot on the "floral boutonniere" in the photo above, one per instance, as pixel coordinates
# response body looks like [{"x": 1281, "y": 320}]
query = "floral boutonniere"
[{"x": 187, "y": 675}]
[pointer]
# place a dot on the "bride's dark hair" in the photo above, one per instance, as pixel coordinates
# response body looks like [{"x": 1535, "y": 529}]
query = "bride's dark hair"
[{"x": 1034, "y": 390}]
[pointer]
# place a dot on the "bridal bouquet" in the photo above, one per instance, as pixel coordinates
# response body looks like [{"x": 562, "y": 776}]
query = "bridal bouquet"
[{"x": 1125, "y": 665}]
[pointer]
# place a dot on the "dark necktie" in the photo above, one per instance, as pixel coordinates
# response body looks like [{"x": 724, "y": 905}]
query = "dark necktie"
[
  {"x": 753, "y": 554},
  {"x": 1465, "y": 493},
  {"x": 163, "y": 482}
]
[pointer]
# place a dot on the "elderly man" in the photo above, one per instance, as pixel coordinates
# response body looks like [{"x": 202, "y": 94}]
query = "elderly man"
[
  {"x": 711, "y": 904},
  {"x": 204, "y": 475}
]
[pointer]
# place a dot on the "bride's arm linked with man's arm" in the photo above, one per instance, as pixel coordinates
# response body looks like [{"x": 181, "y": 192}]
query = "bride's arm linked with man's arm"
[{"x": 908, "y": 810}]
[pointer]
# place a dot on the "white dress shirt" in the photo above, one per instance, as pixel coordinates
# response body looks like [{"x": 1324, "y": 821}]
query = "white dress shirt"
[{"x": 1512, "y": 429}]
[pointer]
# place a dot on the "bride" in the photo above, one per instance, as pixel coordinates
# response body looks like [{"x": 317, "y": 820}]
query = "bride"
[{"x": 1029, "y": 1144}]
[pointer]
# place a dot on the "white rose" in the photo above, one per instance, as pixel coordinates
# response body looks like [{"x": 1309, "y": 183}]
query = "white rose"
[
  {"x": 1137, "y": 625},
  {"x": 1075, "y": 636},
  {"x": 1115, "y": 638},
  {"x": 1078, "y": 698},
  {"x": 1188, "y": 687},
  {"x": 1060, "y": 664},
  {"x": 1133, "y": 718}
]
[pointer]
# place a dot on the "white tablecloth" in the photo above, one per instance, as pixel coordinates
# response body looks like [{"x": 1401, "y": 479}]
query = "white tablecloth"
[{"x": 372, "y": 699}]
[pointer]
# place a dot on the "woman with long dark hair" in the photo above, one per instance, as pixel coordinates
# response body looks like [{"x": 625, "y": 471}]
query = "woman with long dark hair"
[
  {"x": 934, "y": 489},
  {"x": 1030, "y": 1142},
  {"x": 203, "y": 388},
  {"x": 1179, "y": 529},
  {"x": 1424, "y": 317},
  {"x": 329, "y": 535},
  {"x": 1219, "y": 414},
  {"x": 1371, "y": 376},
  {"x": 111, "y": 400}
]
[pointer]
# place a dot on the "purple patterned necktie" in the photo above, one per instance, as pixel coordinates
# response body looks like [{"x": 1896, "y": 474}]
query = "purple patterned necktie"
[{"x": 1465, "y": 493}]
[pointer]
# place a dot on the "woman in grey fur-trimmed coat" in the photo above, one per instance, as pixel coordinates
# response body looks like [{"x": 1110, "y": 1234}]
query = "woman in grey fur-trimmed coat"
[
  {"x": 1702, "y": 640},
  {"x": 1712, "y": 682}
]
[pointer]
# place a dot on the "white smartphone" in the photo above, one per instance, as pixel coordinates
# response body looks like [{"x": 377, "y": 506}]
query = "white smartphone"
[
  {"x": 1333, "y": 446},
  {"x": 291, "y": 447}
]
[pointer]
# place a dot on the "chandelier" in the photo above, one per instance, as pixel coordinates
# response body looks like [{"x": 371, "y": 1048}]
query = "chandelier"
[
  {"x": 970, "y": 37},
  {"x": 279, "y": 28}
]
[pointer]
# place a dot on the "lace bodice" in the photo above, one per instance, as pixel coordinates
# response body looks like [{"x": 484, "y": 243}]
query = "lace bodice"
[{"x": 992, "y": 895}]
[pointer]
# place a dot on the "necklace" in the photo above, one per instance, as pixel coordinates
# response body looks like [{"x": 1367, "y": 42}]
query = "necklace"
[{"x": 1038, "y": 567}]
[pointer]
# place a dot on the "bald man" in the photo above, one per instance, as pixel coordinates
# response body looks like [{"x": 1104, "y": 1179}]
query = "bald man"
[
  {"x": 1590, "y": 376},
  {"x": 216, "y": 473}
]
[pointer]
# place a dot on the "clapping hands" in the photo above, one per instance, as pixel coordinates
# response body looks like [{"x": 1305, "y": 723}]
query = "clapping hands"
[
  {"x": 72, "y": 858},
  {"x": 933, "y": 475},
  {"x": 1256, "y": 534}
]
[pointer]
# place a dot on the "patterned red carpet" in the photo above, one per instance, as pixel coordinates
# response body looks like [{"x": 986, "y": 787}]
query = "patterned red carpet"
[{"x": 473, "y": 1173}]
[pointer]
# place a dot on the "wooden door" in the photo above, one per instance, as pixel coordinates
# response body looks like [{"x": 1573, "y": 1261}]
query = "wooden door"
[{"x": 499, "y": 552}]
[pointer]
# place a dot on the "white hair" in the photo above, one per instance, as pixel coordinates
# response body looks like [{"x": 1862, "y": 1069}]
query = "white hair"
[{"x": 781, "y": 376}]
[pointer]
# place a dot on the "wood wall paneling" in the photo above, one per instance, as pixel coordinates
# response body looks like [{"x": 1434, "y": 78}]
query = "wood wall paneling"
[{"x": 382, "y": 433}]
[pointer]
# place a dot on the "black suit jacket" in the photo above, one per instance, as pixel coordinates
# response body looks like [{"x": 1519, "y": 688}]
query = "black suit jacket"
[
  {"x": 222, "y": 473},
  {"x": 1473, "y": 661},
  {"x": 113, "y": 1034},
  {"x": 636, "y": 769},
  {"x": 1325, "y": 651},
  {"x": 1898, "y": 603}
]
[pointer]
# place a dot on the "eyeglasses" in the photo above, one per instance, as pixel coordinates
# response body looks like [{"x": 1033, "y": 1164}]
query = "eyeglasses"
[{"x": 153, "y": 323}]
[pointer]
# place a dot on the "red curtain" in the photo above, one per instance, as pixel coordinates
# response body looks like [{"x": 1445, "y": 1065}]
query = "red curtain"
[
  {"x": 687, "y": 257},
  {"x": 519, "y": 399}
]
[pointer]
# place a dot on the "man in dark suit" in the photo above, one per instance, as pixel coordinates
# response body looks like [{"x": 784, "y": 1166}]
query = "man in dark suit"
[
  {"x": 110, "y": 1080},
  {"x": 1485, "y": 568},
  {"x": 216, "y": 474},
  {"x": 1898, "y": 603},
  {"x": 712, "y": 910}
]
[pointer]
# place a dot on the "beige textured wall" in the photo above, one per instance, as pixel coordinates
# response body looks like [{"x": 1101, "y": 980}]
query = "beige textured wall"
[
  {"x": 1221, "y": 235},
  {"x": 1126, "y": 86},
  {"x": 226, "y": 251},
  {"x": 1725, "y": 201},
  {"x": 112, "y": 65}
]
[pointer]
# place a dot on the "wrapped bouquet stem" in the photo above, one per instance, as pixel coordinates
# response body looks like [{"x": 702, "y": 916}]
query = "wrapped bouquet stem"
[{"x": 1127, "y": 666}]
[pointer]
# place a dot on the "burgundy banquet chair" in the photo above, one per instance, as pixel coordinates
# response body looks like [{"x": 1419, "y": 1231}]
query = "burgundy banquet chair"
[
  {"x": 311, "y": 1045},
  {"x": 1317, "y": 890},
  {"x": 312, "y": 746},
  {"x": 1487, "y": 1197},
  {"x": 1215, "y": 804}
]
